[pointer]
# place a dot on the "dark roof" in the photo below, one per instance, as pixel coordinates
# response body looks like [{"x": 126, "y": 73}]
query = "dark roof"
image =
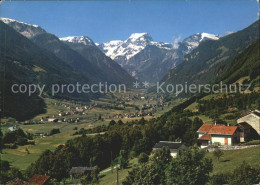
[
  {"x": 17, "y": 181},
  {"x": 39, "y": 179},
  {"x": 256, "y": 113},
  {"x": 169, "y": 144},
  {"x": 244, "y": 125},
  {"x": 80, "y": 170}
]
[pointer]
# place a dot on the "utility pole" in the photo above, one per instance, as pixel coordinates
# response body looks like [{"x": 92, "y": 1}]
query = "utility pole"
[{"x": 117, "y": 181}]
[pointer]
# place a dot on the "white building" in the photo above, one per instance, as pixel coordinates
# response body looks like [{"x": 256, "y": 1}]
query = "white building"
[
  {"x": 253, "y": 119},
  {"x": 174, "y": 147},
  {"x": 218, "y": 134}
]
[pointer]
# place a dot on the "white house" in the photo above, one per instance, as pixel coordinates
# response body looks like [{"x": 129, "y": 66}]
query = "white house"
[
  {"x": 174, "y": 147},
  {"x": 218, "y": 134}
]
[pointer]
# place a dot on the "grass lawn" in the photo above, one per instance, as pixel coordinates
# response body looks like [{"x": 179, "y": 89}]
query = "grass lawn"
[
  {"x": 20, "y": 159},
  {"x": 234, "y": 158},
  {"x": 109, "y": 178}
]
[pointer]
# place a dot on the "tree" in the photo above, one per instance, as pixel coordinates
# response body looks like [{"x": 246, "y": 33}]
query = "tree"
[
  {"x": 190, "y": 167},
  {"x": 123, "y": 159},
  {"x": 143, "y": 174},
  {"x": 218, "y": 153},
  {"x": 245, "y": 175},
  {"x": 112, "y": 122},
  {"x": 143, "y": 158},
  {"x": 55, "y": 131}
]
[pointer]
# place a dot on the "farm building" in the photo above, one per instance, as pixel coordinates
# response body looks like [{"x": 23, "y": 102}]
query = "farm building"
[
  {"x": 252, "y": 119},
  {"x": 174, "y": 147},
  {"x": 218, "y": 134},
  {"x": 80, "y": 171}
]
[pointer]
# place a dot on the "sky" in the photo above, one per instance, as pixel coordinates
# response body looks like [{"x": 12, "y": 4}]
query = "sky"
[{"x": 116, "y": 20}]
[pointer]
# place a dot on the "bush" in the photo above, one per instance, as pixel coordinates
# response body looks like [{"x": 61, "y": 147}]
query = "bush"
[
  {"x": 54, "y": 131},
  {"x": 143, "y": 158},
  {"x": 22, "y": 141}
]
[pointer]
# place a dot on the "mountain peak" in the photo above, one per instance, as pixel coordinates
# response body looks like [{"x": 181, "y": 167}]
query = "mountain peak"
[
  {"x": 8, "y": 21},
  {"x": 27, "y": 30},
  {"x": 78, "y": 39},
  {"x": 194, "y": 40},
  {"x": 206, "y": 36},
  {"x": 140, "y": 37}
]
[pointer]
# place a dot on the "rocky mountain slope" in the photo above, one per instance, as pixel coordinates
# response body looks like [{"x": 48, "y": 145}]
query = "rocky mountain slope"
[
  {"x": 84, "y": 65},
  {"x": 148, "y": 60},
  {"x": 23, "y": 62}
]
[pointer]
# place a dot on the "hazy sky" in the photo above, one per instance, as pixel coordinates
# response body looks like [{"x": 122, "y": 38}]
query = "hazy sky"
[{"x": 116, "y": 20}]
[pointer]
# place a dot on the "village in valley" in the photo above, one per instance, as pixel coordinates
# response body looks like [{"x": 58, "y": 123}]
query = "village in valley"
[{"x": 146, "y": 94}]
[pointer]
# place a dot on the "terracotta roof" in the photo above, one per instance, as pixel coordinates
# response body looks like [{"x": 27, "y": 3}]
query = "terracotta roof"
[
  {"x": 205, "y": 137},
  {"x": 205, "y": 127},
  {"x": 223, "y": 130},
  {"x": 39, "y": 179}
]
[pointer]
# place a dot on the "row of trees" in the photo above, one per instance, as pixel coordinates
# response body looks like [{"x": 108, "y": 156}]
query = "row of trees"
[{"x": 190, "y": 167}]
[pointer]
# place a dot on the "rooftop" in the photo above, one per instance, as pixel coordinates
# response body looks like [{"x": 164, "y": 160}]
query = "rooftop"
[
  {"x": 169, "y": 144},
  {"x": 205, "y": 127},
  {"x": 205, "y": 137},
  {"x": 217, "y": 129},
  {"x": 38, "y": 179},
  {"x": 80, "y": 170}
]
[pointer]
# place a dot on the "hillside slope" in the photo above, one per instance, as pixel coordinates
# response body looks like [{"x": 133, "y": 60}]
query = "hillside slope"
[
  {"x": 246, "y": 63},
  {"x": 23, "y": 62}
]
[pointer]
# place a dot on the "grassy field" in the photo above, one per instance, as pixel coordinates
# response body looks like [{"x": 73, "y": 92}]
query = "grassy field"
[
  {"x": 234, "y": 158},
  {"x": 19, "y": 157},
  {"x": 107, "y": 177}
]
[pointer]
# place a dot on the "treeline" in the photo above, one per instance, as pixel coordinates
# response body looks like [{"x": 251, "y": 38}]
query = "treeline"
[{"x": 130, "y": 139}]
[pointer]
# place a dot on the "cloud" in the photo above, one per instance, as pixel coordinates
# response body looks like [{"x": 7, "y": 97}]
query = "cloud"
[
  {"x": 175, "y": 41},
  {"x": 229, "y": 32}
]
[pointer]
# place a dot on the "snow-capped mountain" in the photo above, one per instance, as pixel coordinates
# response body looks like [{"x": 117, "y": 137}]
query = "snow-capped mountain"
[
  {"x": 27, "y": 30},
  {"x": 148, "y": 60},
  {"x": 193, "y": 41},
  {"x": 79, "y": 40},
  {"x": 122, "y": 51}
]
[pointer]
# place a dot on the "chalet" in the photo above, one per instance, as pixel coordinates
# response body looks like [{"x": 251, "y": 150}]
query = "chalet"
[
  {"x": 253, "y": 119},
  {"x": 217, "y": 134},
  {"x": 174, "y": 147},
  {"x": 39, "y": 179},
  {"x": 80, "y": 171}
]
